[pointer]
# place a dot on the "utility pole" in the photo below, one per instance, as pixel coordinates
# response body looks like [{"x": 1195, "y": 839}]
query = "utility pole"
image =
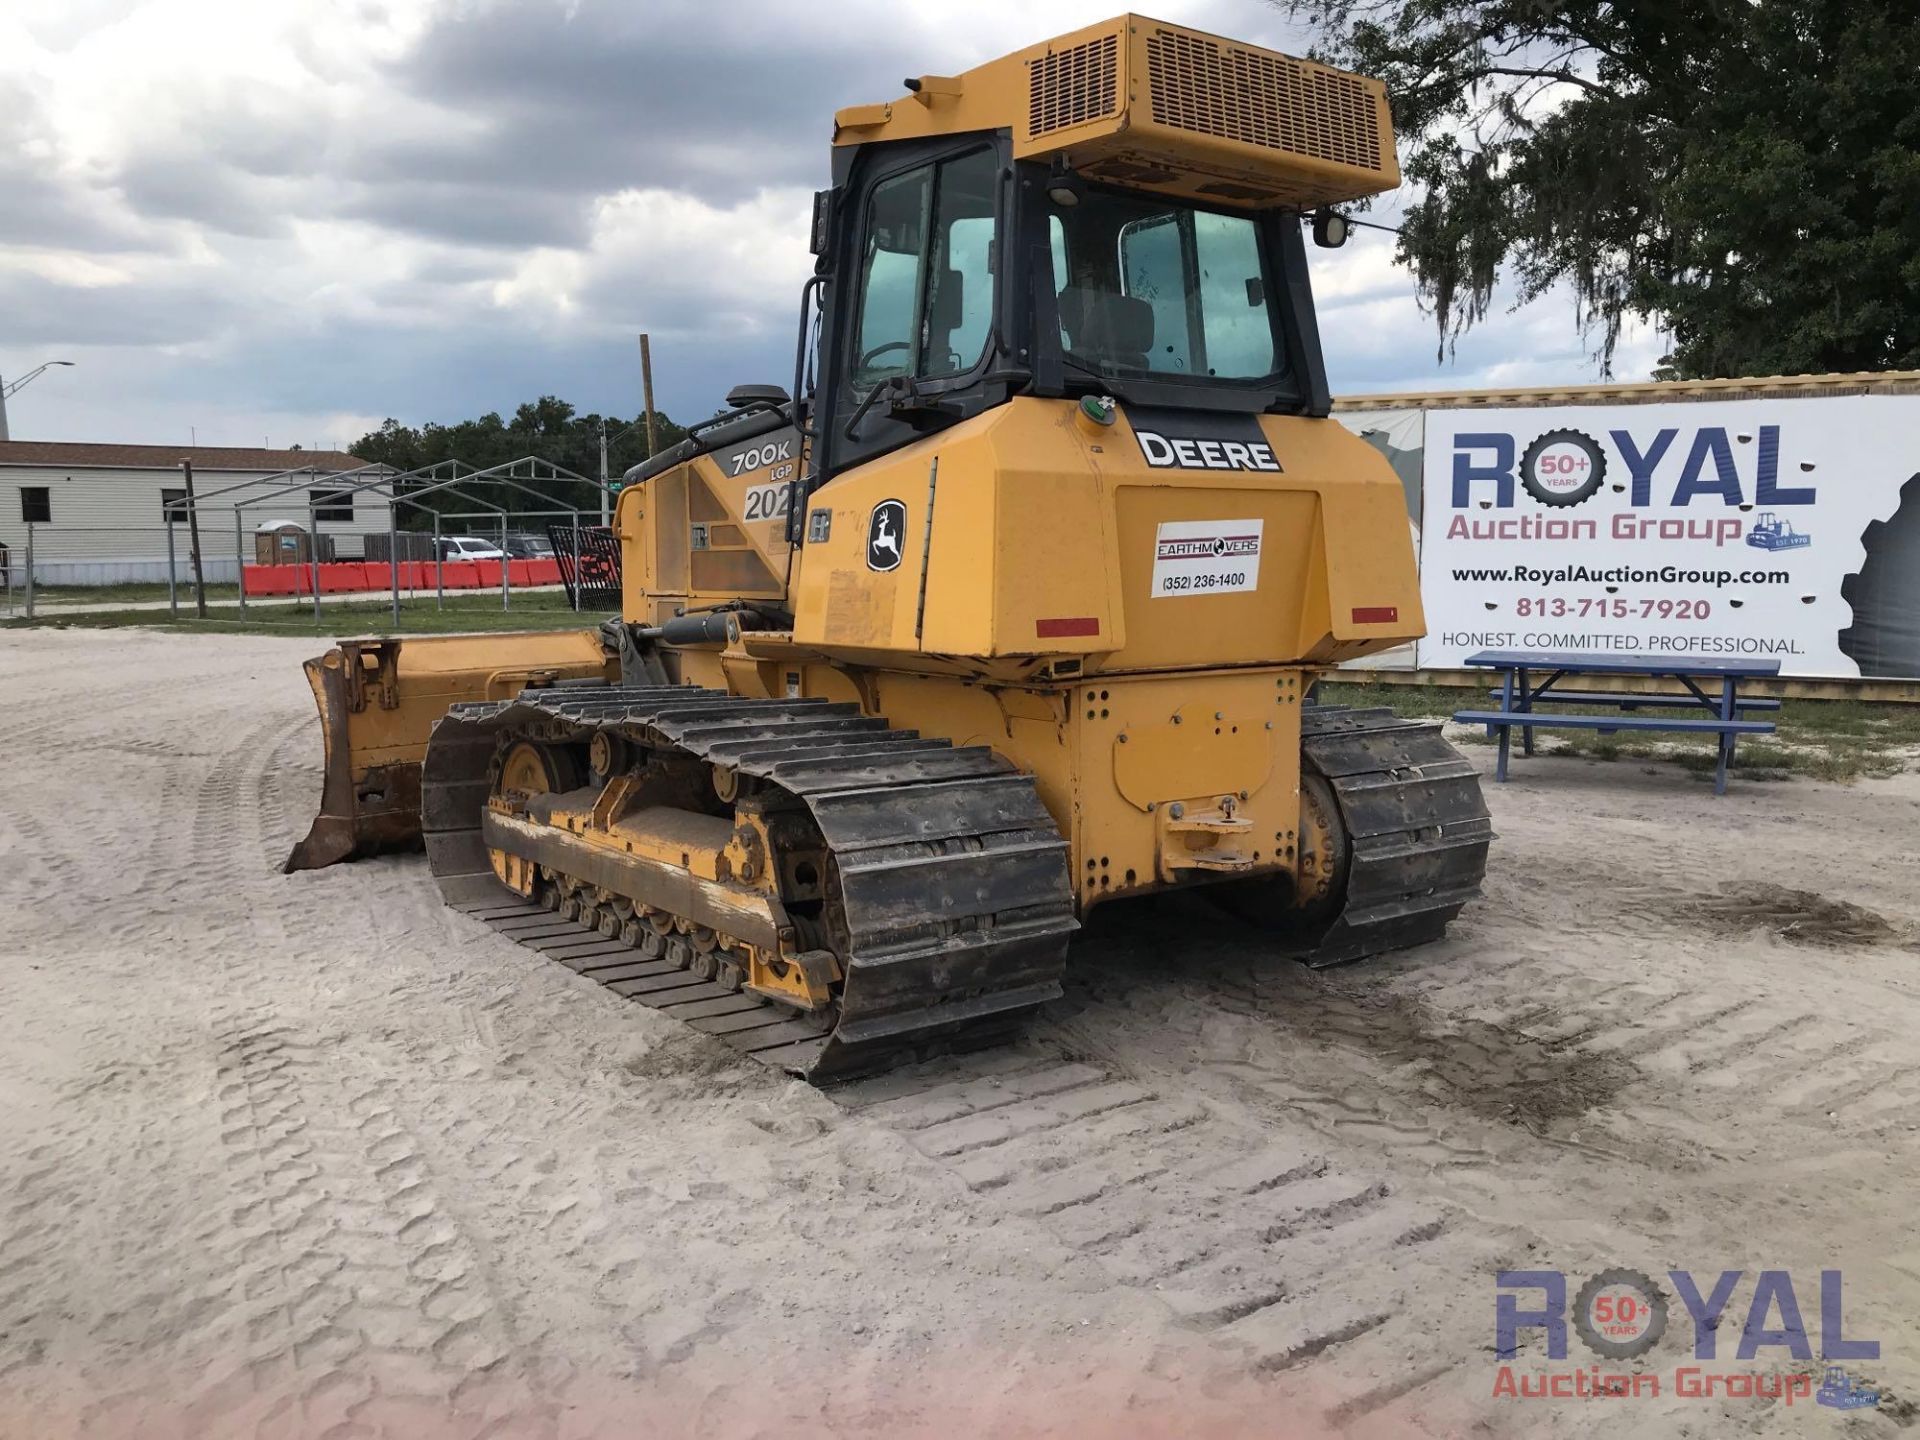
[
  {"x": 646, "y": 385},
  {"x": 16, "y": 386},
  {"x": 605, "y": 515},
  {"x": 193, "y": 542}
]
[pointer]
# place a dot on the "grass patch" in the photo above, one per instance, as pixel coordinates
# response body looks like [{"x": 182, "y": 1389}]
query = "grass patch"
[
  {"x": 1426, "y": 701},
  {"x": 133, "y": 592},
  {"x": 1824, "y": 739},
  {"x": 531, "y": 610}
]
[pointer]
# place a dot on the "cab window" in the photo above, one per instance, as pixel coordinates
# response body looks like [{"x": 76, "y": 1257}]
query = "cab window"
[
  {"x": 927, "y": 271},
  {"x": 1232, "y": 299},
  {"x": 1166, "y": 290},
  {"x": 1153, "y": 268},
  {"x": 890, "y": 277}
]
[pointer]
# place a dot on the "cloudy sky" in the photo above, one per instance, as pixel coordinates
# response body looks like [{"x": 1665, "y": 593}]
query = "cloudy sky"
[{"x": 286, "y": 219}]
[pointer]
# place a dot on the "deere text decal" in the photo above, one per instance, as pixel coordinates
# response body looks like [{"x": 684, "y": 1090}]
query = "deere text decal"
[{"x": 1193, "y": 454}]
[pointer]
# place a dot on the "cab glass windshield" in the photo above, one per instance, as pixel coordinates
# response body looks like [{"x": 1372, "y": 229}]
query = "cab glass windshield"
[{"x": 1164, "y": 290}]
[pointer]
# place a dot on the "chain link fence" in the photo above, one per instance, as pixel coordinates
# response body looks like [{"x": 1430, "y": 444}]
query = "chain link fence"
[
  {"x": 285, "y": 573},
  {"x": 299, "y": 546}
]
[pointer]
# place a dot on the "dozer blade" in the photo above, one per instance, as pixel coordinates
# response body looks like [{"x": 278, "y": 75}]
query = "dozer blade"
[{"x": 379, "y": 700}]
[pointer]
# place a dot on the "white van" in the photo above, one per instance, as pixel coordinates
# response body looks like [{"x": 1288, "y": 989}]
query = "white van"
[{"x": 466, "y": 547}]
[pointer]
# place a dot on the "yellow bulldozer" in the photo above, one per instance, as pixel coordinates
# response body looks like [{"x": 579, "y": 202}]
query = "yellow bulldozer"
[{"x": 1008, "y": 609}]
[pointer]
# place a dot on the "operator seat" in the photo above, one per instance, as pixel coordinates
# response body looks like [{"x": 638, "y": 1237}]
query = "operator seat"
[{"x": 1102, "y": 325}]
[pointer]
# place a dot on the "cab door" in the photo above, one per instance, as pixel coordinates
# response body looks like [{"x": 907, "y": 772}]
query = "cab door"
[{"x": 914, "y": 332}]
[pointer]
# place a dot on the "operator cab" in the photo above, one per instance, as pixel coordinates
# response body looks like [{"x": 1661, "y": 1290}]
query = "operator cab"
[
  {"x": 1115, "y": 212},
  {"x": 956, "y": 277}
]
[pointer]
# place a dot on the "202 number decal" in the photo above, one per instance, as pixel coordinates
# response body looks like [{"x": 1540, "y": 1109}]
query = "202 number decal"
[{"x": 768, "y": 502}]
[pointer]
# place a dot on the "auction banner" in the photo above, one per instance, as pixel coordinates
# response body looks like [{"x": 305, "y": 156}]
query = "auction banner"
[{"x": 1772, "y": 529}]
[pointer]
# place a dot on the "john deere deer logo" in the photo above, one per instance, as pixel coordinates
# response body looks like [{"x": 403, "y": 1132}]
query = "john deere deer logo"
[{"x": 884, "y": 529}]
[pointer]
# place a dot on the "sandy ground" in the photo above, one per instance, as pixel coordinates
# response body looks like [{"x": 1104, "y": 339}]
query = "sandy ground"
[{"x": 313, "y": 1156}]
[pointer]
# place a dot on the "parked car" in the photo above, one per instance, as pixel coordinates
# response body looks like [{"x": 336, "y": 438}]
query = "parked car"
[
  {"x": 467, "y": 547},
  {"x": 523, "y": 546}
]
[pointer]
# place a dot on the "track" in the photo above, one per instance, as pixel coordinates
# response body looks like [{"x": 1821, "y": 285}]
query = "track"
[
  {"x": 952, "y": 876},
  {"x": 1411, "y": 806}
]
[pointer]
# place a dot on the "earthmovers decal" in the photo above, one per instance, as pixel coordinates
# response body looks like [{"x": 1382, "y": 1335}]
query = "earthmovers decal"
[{"x": 1206, "y": 557}]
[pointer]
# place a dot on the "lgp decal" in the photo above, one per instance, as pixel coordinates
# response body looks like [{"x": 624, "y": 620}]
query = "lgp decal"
[
  {"x": 1195, "y": 453},
  {"x": 885, "y": 527}
]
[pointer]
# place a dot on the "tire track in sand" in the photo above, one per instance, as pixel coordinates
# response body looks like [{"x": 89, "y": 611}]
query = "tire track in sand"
[
  {"x": 357, "y": 1299},
  {"x": 1249, "y": 1234}
]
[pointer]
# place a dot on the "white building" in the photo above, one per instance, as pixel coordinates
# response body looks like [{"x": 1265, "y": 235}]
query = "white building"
[{"x": 99, "y": 512}]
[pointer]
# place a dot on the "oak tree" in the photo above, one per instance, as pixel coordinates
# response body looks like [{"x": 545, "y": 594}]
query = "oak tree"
[{"x": 1743, "y": 173}]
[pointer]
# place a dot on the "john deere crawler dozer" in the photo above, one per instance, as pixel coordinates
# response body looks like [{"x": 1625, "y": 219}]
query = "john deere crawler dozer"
[{"x": 1009, "y": 610}]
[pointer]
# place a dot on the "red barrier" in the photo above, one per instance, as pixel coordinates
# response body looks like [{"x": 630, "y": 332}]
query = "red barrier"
[
  {"x": 345, "y": 577},
  {"x": 267, "y": 579},
  {"x": 409, "y": 575},
  {"x": 335, "y": 578}
]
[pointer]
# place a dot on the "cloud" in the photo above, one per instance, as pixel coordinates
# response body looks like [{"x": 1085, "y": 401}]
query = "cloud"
[{"x": 301, "y": 215}]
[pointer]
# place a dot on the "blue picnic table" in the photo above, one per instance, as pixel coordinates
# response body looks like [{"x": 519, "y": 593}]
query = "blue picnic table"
[{"x": 1520, "y": 698}]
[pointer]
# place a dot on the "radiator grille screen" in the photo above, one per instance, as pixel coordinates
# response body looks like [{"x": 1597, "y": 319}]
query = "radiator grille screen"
[
  {"x": 1259, "y": 98},
  {"x": 1071, "y": 87}
]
